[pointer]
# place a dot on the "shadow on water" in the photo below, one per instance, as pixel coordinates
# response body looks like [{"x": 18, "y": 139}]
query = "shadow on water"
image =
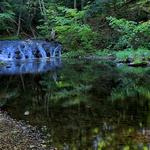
[{"x": 84, "y": 105}]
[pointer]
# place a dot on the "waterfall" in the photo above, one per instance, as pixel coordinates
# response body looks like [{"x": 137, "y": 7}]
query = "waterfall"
[{"x": 28, "y": 49}]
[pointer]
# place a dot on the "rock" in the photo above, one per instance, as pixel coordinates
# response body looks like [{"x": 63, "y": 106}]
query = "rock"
[
  {"x": 32, "y": 146},
  {"x": 43, "y": 145},
  {"x": 26, "y": 113},
  {"x": 15, "y": 148},
  {"x": 8, "y": 66},
  {"x": 142, "y": 64}
]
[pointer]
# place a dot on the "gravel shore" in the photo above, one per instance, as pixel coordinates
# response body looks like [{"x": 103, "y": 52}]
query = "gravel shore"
[{"x": 16, "y": 135}]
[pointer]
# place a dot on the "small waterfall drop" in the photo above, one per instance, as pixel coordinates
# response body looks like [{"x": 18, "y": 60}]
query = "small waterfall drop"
[
  {"x": 29, "y": 56},
  {"x": 28, "y": 49}
]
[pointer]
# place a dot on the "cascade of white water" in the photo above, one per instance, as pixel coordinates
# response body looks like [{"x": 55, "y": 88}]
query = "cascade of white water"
[
  {"x": 41, "y": 50},
  {"x": 29, "y": 49}
]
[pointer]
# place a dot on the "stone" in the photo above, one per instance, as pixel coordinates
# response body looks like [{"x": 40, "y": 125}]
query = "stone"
[{"x": 26, "y": 113}]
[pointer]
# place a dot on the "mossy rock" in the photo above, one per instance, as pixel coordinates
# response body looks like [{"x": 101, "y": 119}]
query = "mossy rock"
[
  {"x": 2, "y": 63},
  {"x": 138, "y": 64}
]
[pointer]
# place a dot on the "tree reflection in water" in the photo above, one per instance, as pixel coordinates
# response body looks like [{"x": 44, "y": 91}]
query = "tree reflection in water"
[{"x": 90, "y": 105}]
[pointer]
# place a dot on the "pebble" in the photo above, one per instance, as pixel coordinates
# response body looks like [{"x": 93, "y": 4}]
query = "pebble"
[
  {"x": 15, "y": 135},
  {"x": 26, "y": 113}
]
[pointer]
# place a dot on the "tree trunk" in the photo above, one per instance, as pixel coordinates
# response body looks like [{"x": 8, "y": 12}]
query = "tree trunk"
[
  {"x": 19, "y": 19},
  {"x": 42, "y": 7},
  {"x": 19, "y": 25},
  {"x": 82, "y": 4},
  {"x": 75, "y": 4}
]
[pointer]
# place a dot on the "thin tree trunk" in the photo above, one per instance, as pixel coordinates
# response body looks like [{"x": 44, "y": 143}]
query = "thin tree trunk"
[
  {"x": 22, "y": 80},
  {"x": 33, "y": 31},
  {"x": 19, "y": 24},
  {"x": 82, "y": 4},
  {"x": 75, "y": 4},
  {"x": 42, "y": 7},
  {"x": 19, "y": 19}
]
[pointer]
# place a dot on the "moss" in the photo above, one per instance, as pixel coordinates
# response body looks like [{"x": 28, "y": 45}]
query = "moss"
[
  {"x": 2, "y": 63},
  {"x": 9, "y": 37},
  {"x": 74, "y": 54},
  {"x": 133, "y": 57}
]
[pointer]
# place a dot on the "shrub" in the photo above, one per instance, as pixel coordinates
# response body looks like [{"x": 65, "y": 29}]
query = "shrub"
[
  {"x": 132, "y": 34},
  {"x": 71, "y": 32},
  {"x": 137, "y": 56},
  {"x": 5, "y": 20}
]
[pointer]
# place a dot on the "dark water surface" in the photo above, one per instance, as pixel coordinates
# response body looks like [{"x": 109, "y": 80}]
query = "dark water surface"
[{"x": 83, "y": 105}]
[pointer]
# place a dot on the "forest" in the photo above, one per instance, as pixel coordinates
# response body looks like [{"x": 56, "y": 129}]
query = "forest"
[
  {"x": 117, "y": 28},
  {"x": 74, "y": 74}
]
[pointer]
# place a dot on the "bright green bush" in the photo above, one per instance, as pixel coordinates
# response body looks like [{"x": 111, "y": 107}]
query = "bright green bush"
[
  {"x": 104, "y": 53},
  {"x": 74, "y": 54},
  {"x": 76, "y": 36},
  {"x": 5, "y": 20},
  {"x": 137, "y": 56},
  {"x": 132, "y": 34},
  {"x": 70, "y": 29},
  {"x": 7, "y": 17}
]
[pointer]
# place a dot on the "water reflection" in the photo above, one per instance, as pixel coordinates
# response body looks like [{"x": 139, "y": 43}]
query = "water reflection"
[
  {"x": 30, "y": 66},
  {"x": 83, "y": 108}
]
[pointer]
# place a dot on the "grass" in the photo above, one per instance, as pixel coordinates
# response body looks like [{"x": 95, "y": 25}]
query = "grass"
[{"x": 138, "y": 56}]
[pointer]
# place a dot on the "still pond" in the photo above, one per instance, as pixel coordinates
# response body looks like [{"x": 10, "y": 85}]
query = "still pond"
[{"x": 80, "y": 104}]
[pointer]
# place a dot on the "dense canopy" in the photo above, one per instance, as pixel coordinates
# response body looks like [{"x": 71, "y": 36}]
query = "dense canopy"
[{"x": 82, "y": 26}]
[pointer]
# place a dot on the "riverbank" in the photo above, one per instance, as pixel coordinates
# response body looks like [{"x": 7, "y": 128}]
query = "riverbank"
[
  {"x": 19, "y": 136},
  {"x": 134, "y": 58}
]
